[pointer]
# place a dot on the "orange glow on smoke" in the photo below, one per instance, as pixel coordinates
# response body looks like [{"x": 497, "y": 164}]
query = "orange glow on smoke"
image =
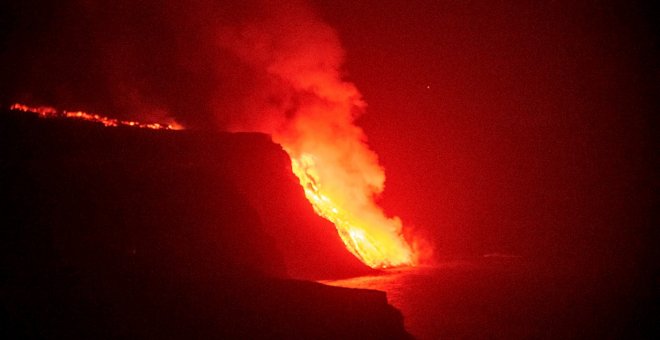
[
  {"x": 302, "y": 100},
  {"x": 49, "y": 112}
]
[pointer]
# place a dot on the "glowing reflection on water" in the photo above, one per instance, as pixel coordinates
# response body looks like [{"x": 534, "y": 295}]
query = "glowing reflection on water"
[{"x": 411, "y": 290}]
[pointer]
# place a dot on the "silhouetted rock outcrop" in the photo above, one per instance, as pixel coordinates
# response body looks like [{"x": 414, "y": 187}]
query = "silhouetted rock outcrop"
[{"x": 120, "y": 232}]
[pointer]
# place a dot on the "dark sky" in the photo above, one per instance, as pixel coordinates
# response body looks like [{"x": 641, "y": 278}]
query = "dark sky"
[
  {"x": 521, "y": 127},
  {"x": 513, "y": 127}
]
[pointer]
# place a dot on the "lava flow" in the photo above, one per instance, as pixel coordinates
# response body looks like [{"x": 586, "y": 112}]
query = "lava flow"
[
  {"x": 367, "y": 234},
  {"x": 49, "y": 112}
]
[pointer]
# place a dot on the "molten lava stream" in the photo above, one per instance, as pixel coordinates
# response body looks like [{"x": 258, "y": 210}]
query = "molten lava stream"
[{"x": 367, "y": 234}]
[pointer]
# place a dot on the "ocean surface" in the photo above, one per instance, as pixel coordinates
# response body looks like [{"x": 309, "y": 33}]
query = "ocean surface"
[{"x": 504, "y": 297}]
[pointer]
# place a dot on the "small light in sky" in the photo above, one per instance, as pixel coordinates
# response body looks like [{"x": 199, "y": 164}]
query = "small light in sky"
[{"x": 428, "y": 86}]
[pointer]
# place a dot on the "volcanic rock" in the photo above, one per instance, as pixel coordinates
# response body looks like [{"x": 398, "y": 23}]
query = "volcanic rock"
[{"x": 125, "y": 232}]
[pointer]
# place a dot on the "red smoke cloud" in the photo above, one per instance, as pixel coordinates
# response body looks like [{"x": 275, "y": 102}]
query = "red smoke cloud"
[{"x": 306, "y": 106}]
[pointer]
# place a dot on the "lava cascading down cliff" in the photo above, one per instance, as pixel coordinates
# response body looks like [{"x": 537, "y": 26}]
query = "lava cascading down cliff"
[{"x": 310, "y": 110}]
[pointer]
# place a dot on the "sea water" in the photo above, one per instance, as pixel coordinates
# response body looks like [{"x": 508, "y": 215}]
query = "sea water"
[{"x": 498, "y": 297}]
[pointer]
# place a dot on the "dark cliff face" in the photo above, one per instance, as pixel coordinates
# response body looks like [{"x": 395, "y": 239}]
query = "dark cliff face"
[
  {"x": 237, "y": 185},
  {"x": 91, "y": 196},
  {"x": 121, "y": 232}
]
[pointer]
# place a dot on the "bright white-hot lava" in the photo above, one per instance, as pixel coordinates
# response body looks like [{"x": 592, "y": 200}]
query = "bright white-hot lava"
[{"x": 367, "y": 233}]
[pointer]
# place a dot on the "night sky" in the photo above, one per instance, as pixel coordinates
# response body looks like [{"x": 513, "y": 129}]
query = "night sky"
[
  {"x": 520, "y": 128},
  {"x": 512, "y": 127}
]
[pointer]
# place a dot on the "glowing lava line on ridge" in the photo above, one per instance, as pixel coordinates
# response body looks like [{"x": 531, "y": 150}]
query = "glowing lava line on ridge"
[{"x": 49, "y": 112}]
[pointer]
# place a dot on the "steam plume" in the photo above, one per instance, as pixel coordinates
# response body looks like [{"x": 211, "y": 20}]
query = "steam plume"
[{"x": 308, "y": 109}]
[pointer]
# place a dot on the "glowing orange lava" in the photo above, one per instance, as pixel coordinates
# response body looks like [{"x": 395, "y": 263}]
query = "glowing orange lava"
[
  {"x": 49, "y": 112},
  {"x": 367, "y": 234}
]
